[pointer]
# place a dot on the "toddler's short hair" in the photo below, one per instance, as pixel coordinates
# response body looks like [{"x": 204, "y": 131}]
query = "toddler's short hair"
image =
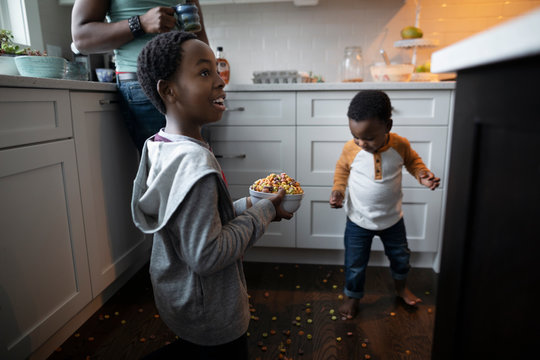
[
  {"x": 370, "y": 104},
  {"x": 158, "y": 60}
]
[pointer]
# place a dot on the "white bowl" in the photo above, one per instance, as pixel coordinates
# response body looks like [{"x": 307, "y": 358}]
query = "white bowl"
[
  {"x": 393, "y": 72},
  {"x": 290, "y": 203},
  {"x": 41, "y": 66},
  {"x": 7, "y": 65}
]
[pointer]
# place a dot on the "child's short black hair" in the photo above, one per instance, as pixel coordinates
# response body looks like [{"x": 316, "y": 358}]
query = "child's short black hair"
[
  {"x": 158, "y": 60},
  {"x": 370, "y": 104}
]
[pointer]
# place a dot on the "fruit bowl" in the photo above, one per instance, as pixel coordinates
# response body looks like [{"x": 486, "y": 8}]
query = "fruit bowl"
[
  {"x": 290, "y": 202},
  {"x": 41, "y": 66},
  {"x": 393, "y": 72}
]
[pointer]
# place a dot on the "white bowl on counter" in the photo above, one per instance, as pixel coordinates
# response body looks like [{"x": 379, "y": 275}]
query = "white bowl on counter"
[{"x": 393, "y": 72}]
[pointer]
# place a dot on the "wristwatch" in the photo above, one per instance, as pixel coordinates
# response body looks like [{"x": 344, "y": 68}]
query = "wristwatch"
[{"x": 135, "y": 26}]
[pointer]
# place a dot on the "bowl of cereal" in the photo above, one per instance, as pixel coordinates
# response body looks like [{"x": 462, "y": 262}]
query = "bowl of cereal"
[{"x": 269, "y": 186}]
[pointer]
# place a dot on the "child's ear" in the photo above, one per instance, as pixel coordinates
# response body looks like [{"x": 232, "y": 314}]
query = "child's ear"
[
  {"x": 165, "y": 90},
  {"x": 389, "y": 125}
]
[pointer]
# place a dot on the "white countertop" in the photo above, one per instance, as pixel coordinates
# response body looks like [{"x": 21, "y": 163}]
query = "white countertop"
[
  {"x": 343, "y": 86},
  {"x": 30, "y": 82},
  {"x": 517, "y": 38}
]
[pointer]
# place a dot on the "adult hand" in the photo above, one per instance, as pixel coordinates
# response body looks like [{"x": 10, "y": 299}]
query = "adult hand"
[
  {"x": 158, "y": 20},
  {"x": 280, "y": 213}
]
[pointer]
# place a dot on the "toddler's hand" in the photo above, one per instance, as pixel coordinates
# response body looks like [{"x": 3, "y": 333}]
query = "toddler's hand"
[
  {"x": 429, "y": 180},
  {"x": 336, "y": 200},
  {"x": 280, "y": 213}
]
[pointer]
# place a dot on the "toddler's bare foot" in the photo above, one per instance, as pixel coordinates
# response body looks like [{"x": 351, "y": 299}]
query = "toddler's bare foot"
[
  {"x": 349, "y": 308},
  {"x": 403, "y": 292},
  {"x": 409, "y": 297}
]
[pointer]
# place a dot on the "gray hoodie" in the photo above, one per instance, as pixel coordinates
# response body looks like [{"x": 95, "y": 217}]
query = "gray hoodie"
[{"x": 200, "y": 236}]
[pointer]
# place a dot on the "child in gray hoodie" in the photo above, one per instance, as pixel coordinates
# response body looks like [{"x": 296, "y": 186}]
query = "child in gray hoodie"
[{"x": 181, "y": 197}]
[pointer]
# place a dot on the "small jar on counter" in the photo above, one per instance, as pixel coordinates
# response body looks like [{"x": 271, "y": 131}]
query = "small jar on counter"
[{"x": 352, "y": 67}]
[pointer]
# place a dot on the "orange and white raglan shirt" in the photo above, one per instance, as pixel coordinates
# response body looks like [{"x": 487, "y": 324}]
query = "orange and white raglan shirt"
[{"x": 373, "y": 200}]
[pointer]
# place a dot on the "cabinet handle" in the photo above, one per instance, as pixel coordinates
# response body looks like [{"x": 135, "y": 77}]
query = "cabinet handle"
[
  {"x": 240, "y": 108},
  {"x": 241, "y": 156},
  {"x": 108, "y": 102}
]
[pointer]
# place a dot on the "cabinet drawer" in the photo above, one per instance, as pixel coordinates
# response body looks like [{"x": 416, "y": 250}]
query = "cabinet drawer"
[
  {"x": 320, "y": 147},
  {"x": 321, "y": 227},
  {"x": 248, "y": 153},
  {"x": 33, "y": 115},
  {"x": 253, "y": 108},
  {"x": 278, "y": 234},
  {"x": 409, "y": 107}
]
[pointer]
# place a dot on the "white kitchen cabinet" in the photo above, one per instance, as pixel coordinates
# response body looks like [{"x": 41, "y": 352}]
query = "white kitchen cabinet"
[
  {"x": 409, "y": 107},
  {"x": 318, "y": 120},
  {"x": 258, "y": 109},
  {"x": 107, "y": 164},
  {"x": 33, "y": 115},
  {"x": 322, "y": 130},
  {"x": 321, "y": 227},
  {"x": 67, "y": 233},
  {"x": 44, "y": 272},
  {"x": 248, "y": 153},
  {"x": 319, "y": 148}
]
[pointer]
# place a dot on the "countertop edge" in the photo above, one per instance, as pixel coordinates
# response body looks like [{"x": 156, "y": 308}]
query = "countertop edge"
[
  {"x": 30, "y": 82},
  {"x": 43, "y": 83},
  {"x": 507, "y": 41},
  {"x": 343, "y": 86}
]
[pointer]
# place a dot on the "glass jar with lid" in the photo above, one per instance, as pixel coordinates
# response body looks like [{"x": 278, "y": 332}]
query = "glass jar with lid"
[{"x": 352, "y": 67}]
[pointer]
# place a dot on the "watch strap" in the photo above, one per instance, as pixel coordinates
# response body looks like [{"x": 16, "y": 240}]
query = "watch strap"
[{"x": 134, "y": 23}]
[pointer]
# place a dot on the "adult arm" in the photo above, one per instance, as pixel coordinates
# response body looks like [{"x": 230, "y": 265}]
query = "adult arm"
[{"x": 92, "y": 35}]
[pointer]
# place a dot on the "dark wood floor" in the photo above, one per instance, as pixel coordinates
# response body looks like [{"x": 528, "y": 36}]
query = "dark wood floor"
[{"x": 128, "y": 326}]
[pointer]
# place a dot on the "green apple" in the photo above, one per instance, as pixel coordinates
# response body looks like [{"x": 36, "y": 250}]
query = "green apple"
[{"x": 411, "y": 32}]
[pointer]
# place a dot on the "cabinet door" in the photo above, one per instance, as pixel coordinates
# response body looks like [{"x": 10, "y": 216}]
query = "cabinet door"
[
  {"x": 259, "y": 108},
  {"x": 43, "y": 265},
  {"x": 321, "y": 227},
  {"x": 278, "y": 234},
  {"x": 33, "y": 115},
  {"x": 248, "y": 153},
  {"x": 411, "y": 107},
  {"x": 319, "y": 148},
  {"x": 107, "y": 163}
]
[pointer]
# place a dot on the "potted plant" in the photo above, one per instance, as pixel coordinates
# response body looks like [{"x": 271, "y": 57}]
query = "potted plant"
[{"x": 8, "y": 51}]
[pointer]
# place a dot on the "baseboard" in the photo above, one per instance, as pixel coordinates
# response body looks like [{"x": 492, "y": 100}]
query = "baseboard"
[{"x": 326, "y": 257}]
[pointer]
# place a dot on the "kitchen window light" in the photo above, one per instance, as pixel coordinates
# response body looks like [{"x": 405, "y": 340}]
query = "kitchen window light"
[{"x": 21, "y": 17}]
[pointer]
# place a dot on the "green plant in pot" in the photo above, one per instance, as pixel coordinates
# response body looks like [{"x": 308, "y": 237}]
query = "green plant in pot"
[{"x": 9, "y": 48}]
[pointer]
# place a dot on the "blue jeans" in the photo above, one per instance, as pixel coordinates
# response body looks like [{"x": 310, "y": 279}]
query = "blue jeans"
[
  {"x": 142, "y": 118},
  {"x": 358, "y": 247}
]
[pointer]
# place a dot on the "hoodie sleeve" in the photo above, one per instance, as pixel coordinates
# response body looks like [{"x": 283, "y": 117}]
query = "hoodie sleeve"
[{"x": 202, "y": 241}]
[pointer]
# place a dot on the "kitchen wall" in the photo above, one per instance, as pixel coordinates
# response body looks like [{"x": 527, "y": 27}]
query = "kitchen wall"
[{"x": 281, "y": 36}]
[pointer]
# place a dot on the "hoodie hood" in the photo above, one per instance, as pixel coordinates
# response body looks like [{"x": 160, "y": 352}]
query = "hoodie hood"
[{"x": 167, "y": 172}]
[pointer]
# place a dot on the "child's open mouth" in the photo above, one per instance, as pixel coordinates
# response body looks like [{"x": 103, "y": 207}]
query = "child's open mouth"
[{"x": 219, "y": 103}]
